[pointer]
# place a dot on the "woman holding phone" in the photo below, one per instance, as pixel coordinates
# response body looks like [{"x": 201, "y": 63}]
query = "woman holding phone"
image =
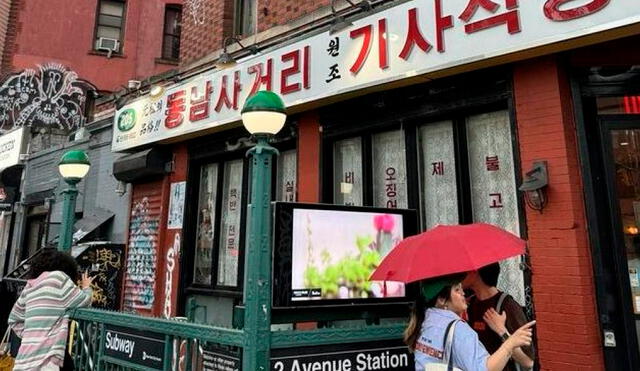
[
  {"x": 39, "y": 315},
  {"x": 440, "y": 339}
]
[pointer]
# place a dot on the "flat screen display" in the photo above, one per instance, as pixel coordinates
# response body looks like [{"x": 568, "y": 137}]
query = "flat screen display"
[{"x": 324, "y": 254}]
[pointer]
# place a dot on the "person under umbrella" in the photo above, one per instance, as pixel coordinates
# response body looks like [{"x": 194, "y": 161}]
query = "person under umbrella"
[
  {"x": 439, "y": 337},
  {"x": 493, "y": 313}
]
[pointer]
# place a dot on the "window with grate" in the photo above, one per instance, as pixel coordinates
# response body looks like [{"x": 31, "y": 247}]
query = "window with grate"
[{"x": 171, "y": 33}]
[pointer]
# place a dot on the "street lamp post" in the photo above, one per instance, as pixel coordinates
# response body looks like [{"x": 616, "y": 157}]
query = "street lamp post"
[
  {"x": 263, "y": 115},
  {"x": 73, "y": 166}
]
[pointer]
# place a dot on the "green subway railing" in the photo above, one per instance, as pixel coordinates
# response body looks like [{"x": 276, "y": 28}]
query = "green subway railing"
[{"x": 183, "y": 342}]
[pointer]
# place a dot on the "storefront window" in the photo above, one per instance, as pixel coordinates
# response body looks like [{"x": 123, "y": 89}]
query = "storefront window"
[
  {"x": 624, "y": 105},
  {"x": 389, "y": 170},
  {"x": 439, "y": 189},
  {"x": 286, "y": 187},
  {"x": 219, "y": 238},
  {"x": 493, "y": 188},
  {"x": 206, "y": 222},
  {"x": 229, "y": 244},
  {"x": 348, "y": 172},
  {"x": 626, "y": 154}
]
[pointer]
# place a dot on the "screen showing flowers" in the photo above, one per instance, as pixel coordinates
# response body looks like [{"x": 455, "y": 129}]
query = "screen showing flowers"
[{"x": 335, "y": 252}]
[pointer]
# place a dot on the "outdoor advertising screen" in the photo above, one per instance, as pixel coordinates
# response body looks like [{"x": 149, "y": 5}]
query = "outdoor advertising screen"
[{"x": 324, "y": 254}]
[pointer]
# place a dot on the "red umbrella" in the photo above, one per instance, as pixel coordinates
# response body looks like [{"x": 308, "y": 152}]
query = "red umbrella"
[{"x": 447, "y": 249}]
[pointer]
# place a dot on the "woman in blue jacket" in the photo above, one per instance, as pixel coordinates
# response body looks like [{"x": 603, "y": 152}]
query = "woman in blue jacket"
[{"x": 439, "y": 308}]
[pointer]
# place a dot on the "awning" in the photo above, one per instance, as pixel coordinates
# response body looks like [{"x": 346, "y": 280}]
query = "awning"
[
  {"x": 10, "y": 179},
  {"x": 11, "y": 176},
  {"x": 90, "y": 221},
  {"x": 141, "y": 164}
]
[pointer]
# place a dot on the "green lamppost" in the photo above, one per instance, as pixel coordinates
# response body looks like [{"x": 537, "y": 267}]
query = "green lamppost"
[
  {"x": 73, "y": 166},
  {"x": 263, "y": 115}
]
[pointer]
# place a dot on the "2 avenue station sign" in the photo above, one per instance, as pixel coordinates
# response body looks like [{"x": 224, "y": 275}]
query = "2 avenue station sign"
[{"x": 371, "y": 356}]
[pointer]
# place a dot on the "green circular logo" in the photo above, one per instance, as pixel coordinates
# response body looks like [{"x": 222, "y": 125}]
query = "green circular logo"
[{"x": 127, "y": 119}]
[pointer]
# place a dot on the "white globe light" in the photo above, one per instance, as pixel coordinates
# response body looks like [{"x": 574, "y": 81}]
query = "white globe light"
[
  {"x": 73, "y": 170},
  {"x": 263, "y": 122},
  {"x": 73, "y": 166}
]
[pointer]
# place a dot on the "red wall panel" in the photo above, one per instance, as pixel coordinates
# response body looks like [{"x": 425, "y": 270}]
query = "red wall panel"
[{"x": 562, "y": 282}]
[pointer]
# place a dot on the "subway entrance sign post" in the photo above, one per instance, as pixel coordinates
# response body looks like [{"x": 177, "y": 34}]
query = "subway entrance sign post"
[{"x": 263, "y": 116}]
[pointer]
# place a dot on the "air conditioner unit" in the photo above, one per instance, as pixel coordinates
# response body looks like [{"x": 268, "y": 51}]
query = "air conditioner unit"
[{"x": 108, "y": 44}]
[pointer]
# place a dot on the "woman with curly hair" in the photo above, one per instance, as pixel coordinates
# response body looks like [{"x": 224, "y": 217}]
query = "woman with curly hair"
[{"x": 39, "y": 315}]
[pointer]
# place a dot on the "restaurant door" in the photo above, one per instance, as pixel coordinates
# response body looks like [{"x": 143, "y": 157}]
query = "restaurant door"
[{"x": 620, "y": 139}]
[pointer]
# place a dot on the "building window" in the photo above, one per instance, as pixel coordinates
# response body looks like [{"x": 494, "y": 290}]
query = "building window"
[
  {"x": 387, "y": 185},
  {"x": 109, "y": 25},
  {"x": 465, "y": 173},
  {"x": 222, "y": 202},
  {"x": 245, "y": 17},
  {"x": 171, "y": 33}
]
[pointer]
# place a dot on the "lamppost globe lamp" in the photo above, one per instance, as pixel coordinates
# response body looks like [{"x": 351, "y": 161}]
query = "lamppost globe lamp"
[
  {"x": 73, "y": 166},
  {"x": 264, "y": 113}
]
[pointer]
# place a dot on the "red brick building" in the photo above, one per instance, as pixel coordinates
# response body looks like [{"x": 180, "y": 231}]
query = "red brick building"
[
  {"x": 57, "y": 57},
  {"x": 69, "y": 33},
  {"x": 459, "y": 98}
]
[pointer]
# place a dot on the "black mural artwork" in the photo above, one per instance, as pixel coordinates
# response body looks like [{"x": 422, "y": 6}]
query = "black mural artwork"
[
  {"x": 53, "y": 96},
  {"x": 104, "y": 262}
]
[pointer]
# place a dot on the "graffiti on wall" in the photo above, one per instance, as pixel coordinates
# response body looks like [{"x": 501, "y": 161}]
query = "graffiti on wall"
[
  {"x": 141, "y": 258},
  {"x": 104, "y": 264},
  {"x": 53, "y": 96},
  {"x": 171, "y": 264},
  {"x": 195, "y": 9}
]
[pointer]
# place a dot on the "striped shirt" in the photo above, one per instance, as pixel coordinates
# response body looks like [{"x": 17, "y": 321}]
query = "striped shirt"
[{"x": 39, "y": 318}]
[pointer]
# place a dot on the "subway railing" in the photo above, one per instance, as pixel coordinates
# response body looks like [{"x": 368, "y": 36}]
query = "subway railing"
[{"x": 106, "y": 340}]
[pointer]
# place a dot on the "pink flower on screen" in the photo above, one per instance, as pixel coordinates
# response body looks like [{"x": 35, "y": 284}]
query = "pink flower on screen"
[{"x": 384, "y": 222}]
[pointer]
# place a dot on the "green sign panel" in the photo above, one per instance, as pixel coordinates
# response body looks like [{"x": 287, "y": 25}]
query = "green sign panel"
[{"x": 127, "y": 120}]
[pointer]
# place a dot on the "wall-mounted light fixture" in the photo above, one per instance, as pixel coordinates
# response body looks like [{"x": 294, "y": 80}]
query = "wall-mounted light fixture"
[
  {"x": 227, "y": 60},
  {"x": 156, "y": 91},
  {"x": 535, "y": 185},
  {"x": 121, "y": 188},
  {"x": 339, "y": 22}
]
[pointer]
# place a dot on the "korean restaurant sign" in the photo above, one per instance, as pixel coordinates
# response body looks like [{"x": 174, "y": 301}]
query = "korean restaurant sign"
[
  {"x": 412, "y": 39},
  {"x": 12, "y": 145}
]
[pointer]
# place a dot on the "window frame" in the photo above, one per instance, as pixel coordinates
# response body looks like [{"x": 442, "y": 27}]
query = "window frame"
[
  {"x": 215, "y": 252},
  {"x": 411, "y": 128},
  {"x": 122, "y": 27},
  {"x": 453, "y": 99},
  {"x": 165, "y": 35},
  {"x": 239, "y": 11},
  {"x": 196, "y": 163}
]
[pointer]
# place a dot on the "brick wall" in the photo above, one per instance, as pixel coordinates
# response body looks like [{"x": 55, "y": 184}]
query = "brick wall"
[
  {"x": 563, "y": 287},
  {"x": 273, "y": 13},
  {"x": 12, "y": 27},
  {"x": 205, "y": 24}
]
